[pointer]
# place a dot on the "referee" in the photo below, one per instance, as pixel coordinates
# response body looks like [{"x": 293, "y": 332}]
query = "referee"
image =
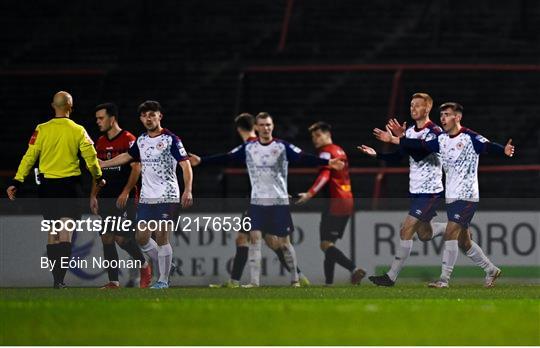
[{"x": 57, "y": 144}]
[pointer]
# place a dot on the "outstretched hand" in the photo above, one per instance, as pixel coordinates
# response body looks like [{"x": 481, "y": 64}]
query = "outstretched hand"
[
  {"x": 397, "y": 129},
  {"x": 194, "y": 160},
  {"x": 367, "y": 150},
  {"x": 509, "y": 149},
  {"x": 385, "y": 136}
]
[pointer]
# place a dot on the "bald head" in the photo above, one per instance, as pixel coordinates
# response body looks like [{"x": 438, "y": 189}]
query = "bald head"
[{"x": 62, "y": 102}]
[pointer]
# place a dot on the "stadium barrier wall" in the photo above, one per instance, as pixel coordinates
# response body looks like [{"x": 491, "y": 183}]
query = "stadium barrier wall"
[{"x": 510, "y": 239}]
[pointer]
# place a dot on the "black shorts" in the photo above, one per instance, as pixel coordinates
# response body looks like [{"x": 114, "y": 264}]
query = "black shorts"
[
  {"x": 60, "y": 198},
  {"x": 332, "y": 227},
  {"x": 107, "y": 207}
]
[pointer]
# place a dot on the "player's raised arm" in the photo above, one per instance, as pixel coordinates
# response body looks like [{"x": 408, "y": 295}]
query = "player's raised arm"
[
  {"x": 483, "y": 145},
  {"x": 395, "y": 156},
  {"x": 238, "y": 155},
  {"x": 397, "y": 129},
  {"x": 119, "y": 160},
  {"x": 296, "y": 155},
  {"x": 385, "y": 136}
]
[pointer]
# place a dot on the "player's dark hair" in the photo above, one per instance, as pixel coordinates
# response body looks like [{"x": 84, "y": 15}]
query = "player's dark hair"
[
  {"x": 456, "y": 107},
  {"x": 322, "y": 126},
  {"x": 149, "y": 105},
  {"x": 245, "y": 121},
  {"x": 262, "y": 115},
  {"x": 110, "y": 108}
]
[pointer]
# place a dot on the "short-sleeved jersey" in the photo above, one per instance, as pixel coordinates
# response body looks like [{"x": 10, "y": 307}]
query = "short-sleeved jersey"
[
  {"x": 159, "y": 157},
  {"x": 267, "y": 166},
  {"x": 425, "y": 171},
  {"x": 339, "y": 183},
  {"x": 116, "y": 177}
]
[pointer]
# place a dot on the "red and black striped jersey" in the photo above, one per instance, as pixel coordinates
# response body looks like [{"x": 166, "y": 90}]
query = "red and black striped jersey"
[{"x": 116, "y": 177}]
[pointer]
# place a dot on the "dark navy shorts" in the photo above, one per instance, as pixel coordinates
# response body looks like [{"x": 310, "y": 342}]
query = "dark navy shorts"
[
  {"x": 461, "y": 212},
  {"x": 424, "y": 205},
  {"x": 271, "y": 219},
  {"x": 157, "y": 211}
]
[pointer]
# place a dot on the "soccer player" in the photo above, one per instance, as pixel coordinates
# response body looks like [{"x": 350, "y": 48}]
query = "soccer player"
[
  {"x": 245, "y": 126},
  {"x": 425, "y": 184},
  {"x": 159, "y": 152},
  {"x": 121, "y": 183},
  {"x": 460, "y": 150},
  {"x": 340, "y": 204},
  {"x": 57, "y": 144},
  {"x": 267, "y": 160}
]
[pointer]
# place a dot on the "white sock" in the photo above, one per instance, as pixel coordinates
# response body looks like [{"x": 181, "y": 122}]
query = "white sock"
[
  {"x": 290, "y": 259},
  {"x": 477, "y": 256},
  {"x": 254, "y": 259},
  {"x": 403, "y": 252},
  {"x": 151, "y": 249},
  {"x": 449, "y": 258},
  {"x": 165, "y": 253},
  {"x": 438, "y": 229}
]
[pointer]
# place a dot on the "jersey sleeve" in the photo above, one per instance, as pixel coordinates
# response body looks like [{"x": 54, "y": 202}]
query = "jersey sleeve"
[
  {"x": 238, "y": 154},
  {"x": 395, "y": 156},
  {"x": 177, "y": 150},
  {"x": 30, "y": 157},
  {"x": 483, "y": 145},
  {"x": 322, "y": 179},
  {"x": 89, "y": 154},
  {"x": 134, "y": 152},
  {"x": 296, "y": 155},
  {"x": 419, "y": 144}
]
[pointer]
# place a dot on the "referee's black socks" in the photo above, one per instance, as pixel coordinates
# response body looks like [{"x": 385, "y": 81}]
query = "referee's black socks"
[
  {"x": 53, "y": 255},
  {"x": 64, "y": 251}
]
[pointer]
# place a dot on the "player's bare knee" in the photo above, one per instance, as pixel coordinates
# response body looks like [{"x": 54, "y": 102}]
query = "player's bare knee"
[
  {"x": 325, "y": 244},
  {"x": 241, "y": 239}
]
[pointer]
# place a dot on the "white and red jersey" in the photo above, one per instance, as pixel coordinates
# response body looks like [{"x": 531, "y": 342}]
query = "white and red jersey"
[
  {"x": 460, "y": 155},
  {"x": 159, "y": 157},
  {"x": 425, "y": 172}
]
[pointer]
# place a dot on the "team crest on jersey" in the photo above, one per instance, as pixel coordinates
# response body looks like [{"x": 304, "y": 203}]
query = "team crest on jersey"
[
  {"x": 459, "y": 146},
  {"x": 160, "y": 146}
]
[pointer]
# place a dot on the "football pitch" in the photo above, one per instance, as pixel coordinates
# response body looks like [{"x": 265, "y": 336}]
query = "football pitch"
[{"x": 366, "y": 315}]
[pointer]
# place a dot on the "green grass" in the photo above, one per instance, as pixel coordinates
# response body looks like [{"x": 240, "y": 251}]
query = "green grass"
[{"x": 366, "y": 315}]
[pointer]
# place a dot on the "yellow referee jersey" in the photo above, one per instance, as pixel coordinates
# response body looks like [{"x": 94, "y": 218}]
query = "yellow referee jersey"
[{"x": 57, "y": 143}]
